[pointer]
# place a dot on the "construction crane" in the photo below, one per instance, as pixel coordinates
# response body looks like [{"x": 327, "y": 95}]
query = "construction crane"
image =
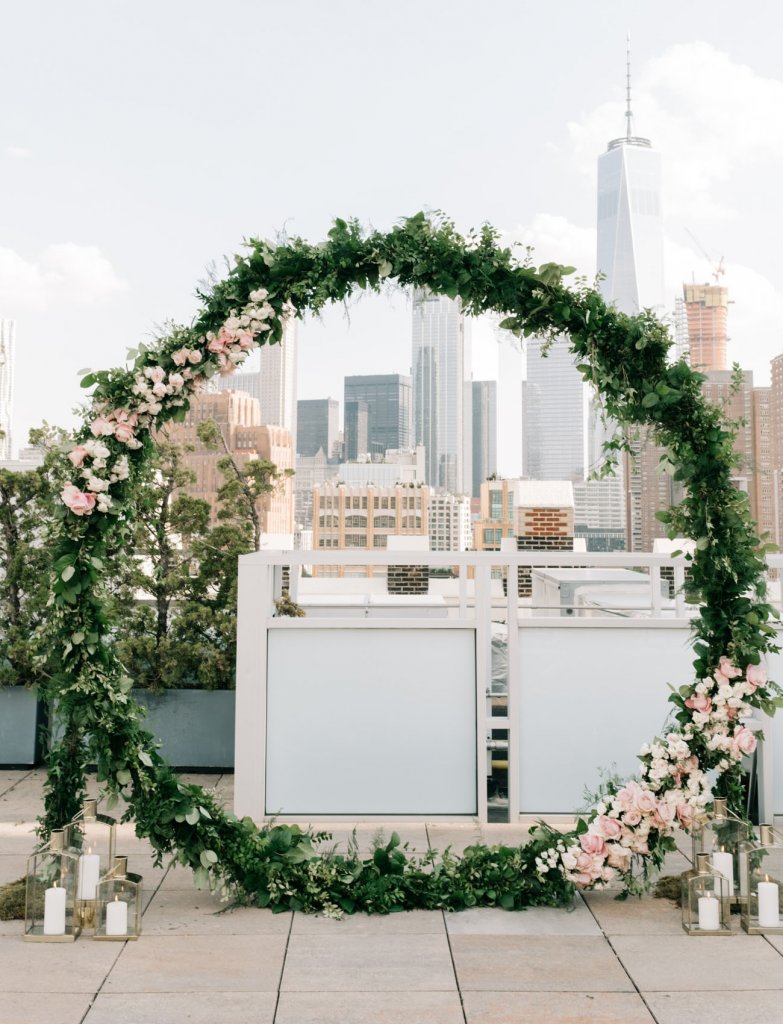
[{"x": 718, "y": 268}]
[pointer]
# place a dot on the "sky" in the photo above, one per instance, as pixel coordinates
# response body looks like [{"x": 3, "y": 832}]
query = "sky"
[{"x": 141, "y": 142}]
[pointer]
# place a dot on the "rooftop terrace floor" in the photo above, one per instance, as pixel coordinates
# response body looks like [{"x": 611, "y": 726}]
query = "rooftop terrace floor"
[{"x": 604, "y": 961}]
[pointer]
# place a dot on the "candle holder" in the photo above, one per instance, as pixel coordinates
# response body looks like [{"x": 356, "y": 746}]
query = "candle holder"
[
  {"x": 50, "y": 893},
  {"x": 706, "y": 902},
  {"x": 762, "y": 865},
  {"x": 119, "y": 904},
  {"x": 722, "y": 836},
  {"x": 92, "y": 835}
]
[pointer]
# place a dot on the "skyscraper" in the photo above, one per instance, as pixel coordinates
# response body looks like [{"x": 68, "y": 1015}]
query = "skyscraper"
[
  {"x": 388, "y": 398},
  {"x": 630, "y": 258},
  {"x": 356, "y": 429},
  {"x": 317, "y": 425},
  {"x": 485, "y": 432},
  {"x": 7, "y": 332},
  {"x": 555, "y": 406},
  {"x": 441, "y": 398},
  {"x": 510, "y": 441},
  {"x": 274, "y": 385}
]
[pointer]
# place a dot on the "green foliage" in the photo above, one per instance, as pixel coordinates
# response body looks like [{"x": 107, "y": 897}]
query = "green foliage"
[
  {"x": 12, "y": 901},
  {"x": 624, "y": 358}
]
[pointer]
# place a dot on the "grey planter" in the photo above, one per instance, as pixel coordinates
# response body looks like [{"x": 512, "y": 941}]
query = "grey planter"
[
  {"x": 19, "y": 721},
  {"x": 195, "y": 728}
]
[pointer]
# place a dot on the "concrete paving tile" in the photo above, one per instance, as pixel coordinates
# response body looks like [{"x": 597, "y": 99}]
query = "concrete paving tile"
[
  {"x": 175, "y": 877},
  {"x": 533, "y": 963},
  {"x": 199, "y": 963},
  {"x": 556, "y": 1008},
  {"x": 412, "y": 922},
  {"x": 368, "y": 963},
  {"x": 535, "y": 921},
  {"x": 645, "y": 916},
  {"x": 42, "y": 1008},
  {"x": 176, "y": 1008},
  {"x": 53, "y": 967},
  {"x": 670, "y": 963},
  {"x": 711, "y": 1007},
  {"x": 12, "y": 866},
  {"x": 366, "y": 1007},
  {"x": 10, "y": 777},
  {"x": 177, "y": 912}
]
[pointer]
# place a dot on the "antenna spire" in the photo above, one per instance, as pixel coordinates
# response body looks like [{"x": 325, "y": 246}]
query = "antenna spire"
[{"x": 628, "y": 113}]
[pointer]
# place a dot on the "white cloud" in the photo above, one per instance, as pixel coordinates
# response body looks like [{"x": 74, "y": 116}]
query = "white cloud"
[
  {"x": 18, "y": 152},
  {"x": 711, "y": 117},
  {"x": 555, "y": 239},
  {"x": 63, "y": 273}
]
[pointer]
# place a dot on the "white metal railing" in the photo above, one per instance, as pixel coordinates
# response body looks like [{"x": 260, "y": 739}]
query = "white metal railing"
[{"x": 471, "y": 602}]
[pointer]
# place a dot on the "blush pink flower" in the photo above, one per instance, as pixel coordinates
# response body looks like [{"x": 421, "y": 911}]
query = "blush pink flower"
[
  {"x": 645, "y": 801},
  {"x": 177, "y": 381},
  {"x": 632, "y": 816},
  {"x": 78, "y": 502},
  {"x": 180, "y": 357},
  {"x": 619, "y": 857},
  {"x": 154, "y": 373},
  {"x": 663, "y": 816},
  {"x": 744, "y": 741},
  {"x": 727, "y": 669},
  {"x": 609, "y": 828},
  {"x": 699, "y": 702},
  {"x": 123, "y": 432},
  {"x": 685, "y": 814},
  {"x": 755, "y": 676},
  {"x": 102, "y": 427},
  {"x": 592, "y": 844},
  {"x": 194, "y": 356},
  {"x": 77, "y": 455}
]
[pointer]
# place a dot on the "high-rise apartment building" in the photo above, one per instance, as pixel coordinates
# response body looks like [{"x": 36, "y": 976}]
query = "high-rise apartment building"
[
  {"x": 555, "y": 404},
  {"x": 706, "y": 310},
  {"x": 388, "y": 399},
  {"x": 763, "y": 475},
  {"x": 441, "y": 394},
  {"x": 736, "y": 399},
  {"x": 274, "y": 385},
  {"x": 317, "y": 425},
  {"x": 450, "y": 527},
  {"x": 247, "y": 438},
  {"x": 7, "y": 338},
  {"x": 485, "y": 432}
]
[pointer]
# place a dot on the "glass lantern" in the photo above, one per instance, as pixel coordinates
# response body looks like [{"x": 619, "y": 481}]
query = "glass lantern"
[
  {"x": 706, "y": 901},
  {"x": 119, "y": 904},
  {"x": 722, "y": 835},
  {"x": 92, "y": 836},
  {"x": 762, "y": 865},
  {"x": 50, "y": 893}
]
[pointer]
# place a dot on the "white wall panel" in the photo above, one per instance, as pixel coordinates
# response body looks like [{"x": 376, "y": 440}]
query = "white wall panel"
[{"x": 371, "y": 722}]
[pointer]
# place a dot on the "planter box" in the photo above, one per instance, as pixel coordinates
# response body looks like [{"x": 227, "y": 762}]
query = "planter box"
[
  {"x": 19, "y": 721},
  {"x": 195, "y": 728}
]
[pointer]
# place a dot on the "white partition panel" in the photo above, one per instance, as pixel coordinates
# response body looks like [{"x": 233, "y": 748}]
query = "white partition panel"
[
  {"x": 371, "y": 722},
  {"x": 774, "y": 730},
  {"x": 589, "y": 697}
]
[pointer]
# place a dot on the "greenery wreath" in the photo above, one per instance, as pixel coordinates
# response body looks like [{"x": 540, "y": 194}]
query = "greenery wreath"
[{"x": 628, "y": 832}]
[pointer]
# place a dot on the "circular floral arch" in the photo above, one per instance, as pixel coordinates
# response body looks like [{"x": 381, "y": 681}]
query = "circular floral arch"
[{"x": 625, "y": 359}]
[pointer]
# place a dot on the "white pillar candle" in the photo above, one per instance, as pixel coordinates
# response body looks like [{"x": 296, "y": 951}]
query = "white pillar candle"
[
  {"x": 769, "y": 905},
  {"x": 54, "y": 911},
  {"x": 89, "y": 874},
  {"x": 709, "y": 914},
  {"x": 117, "y": 917},
  {"x": 724, "y": 863}
]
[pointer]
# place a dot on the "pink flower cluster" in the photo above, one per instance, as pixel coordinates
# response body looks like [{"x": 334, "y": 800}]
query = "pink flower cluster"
[
  {"x": 79, "y": 502},
  {"x": 117, "y": 423},
  {"x": 673, "y": 790}
]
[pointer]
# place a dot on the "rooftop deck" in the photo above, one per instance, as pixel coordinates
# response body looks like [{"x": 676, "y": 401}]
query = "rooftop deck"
[{"x": 604, "y": 961}]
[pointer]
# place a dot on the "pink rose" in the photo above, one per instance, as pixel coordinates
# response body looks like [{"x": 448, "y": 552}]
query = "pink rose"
[
  {"x": 123, "y": 416},
  {"x": 755, "y": 676},
  {"x": 685, "y": 814},
  {"x": 632, "y": 816},
  {"x": 194, "y": 356},
  {"x": 664, "y": 814},
  {"x": 592, "y": 844},
  {"x": 645, "y": 801},
  {"x": 608, "y": 827},
  {"x": 77, "y": 455},
  {"x": 729, "y": 671},
  {"x": 699, "y": 702},
  {"x": 744, "y": 741},
  {"x": 123, "y": 432},
  {"x": 101, "y": 427},
  {"x": 78, "y": 502},
  {"x": 180, "y": 357},
  {"x": 217, "y": 345},
  {"x": 584, "y": 861},
  {"x": 159, "y": 389},
  {"x": 626, "y": 797},
  {"x": 176, "y": 380},
  {"x": 155, "y": 374},
  {"x": 619, "y": 857},
  {"x": 245, "y": 339}
]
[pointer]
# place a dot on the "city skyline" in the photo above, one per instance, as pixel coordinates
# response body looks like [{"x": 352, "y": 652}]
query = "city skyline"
[{"x": 87, "y": 277}]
